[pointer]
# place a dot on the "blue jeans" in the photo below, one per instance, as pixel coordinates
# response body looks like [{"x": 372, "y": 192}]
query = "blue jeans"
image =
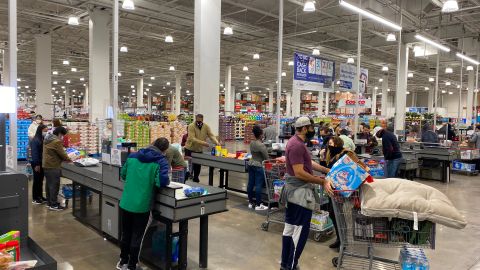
[
  {"x": 391, "y": 167},
  {"x": 256, "y": 179}
]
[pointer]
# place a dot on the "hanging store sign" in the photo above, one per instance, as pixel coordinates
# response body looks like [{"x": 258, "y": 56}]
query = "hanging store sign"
[
  {"x": 349, "y": 103},
  {"x": 348, "y": 73},
  {"x": 313, "y": 73}
]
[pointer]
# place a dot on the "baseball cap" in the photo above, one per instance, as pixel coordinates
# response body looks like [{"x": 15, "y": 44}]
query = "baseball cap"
[{"x": 302, "y": 121}]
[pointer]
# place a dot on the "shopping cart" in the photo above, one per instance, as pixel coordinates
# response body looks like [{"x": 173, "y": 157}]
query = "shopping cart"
[
  {"x": 274, "y": 170},
  {"x": 359, "y": 234},
  {"x": 178, "y": 175}
]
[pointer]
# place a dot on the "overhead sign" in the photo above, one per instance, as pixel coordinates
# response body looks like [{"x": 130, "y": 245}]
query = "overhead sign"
[
  {"x": 349, "y": 103},
  {"x": 313, "y": 73},
  {"x": 348, "y": 73}
]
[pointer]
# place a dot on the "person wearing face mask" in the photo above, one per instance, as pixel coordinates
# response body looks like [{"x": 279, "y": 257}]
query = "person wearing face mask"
[
  {"x": 299, "y": 194},
  {"x": 347, "y": 141},
  {"x": 337, "y": 150},
  {"x": 310, "y": 134},
  {"x": 36, "y": 147},
  {"x": 53, "y": 156},
  {"x": 32, "y": 129},
  {"x": 198, "y": 132}
]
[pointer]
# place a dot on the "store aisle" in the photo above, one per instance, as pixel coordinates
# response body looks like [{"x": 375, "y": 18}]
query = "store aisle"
[{"x": 237, "y": 242}]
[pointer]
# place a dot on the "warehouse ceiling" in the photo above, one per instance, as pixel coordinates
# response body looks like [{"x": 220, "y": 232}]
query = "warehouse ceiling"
[{"x": 331, "y": 29}]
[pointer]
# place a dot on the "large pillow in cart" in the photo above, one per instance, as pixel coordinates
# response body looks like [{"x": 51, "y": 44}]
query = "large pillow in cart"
[{"x": 399, "y": 198}]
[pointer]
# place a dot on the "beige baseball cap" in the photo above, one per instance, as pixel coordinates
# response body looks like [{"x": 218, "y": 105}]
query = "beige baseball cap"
[{"x": 302, "y": 121}]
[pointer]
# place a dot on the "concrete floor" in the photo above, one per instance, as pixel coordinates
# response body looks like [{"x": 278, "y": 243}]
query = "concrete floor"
[{"x": 237, "y": 242}]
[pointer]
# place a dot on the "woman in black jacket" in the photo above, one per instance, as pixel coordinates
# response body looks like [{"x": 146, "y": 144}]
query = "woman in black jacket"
[{"x": 36, "y": 146}]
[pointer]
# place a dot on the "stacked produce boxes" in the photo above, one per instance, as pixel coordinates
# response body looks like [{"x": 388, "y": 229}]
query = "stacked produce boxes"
[{"x": 138, "y": 132}]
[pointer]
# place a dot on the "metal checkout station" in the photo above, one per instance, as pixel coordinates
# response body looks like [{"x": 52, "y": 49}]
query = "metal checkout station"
[{"x": 96, "y": 196}]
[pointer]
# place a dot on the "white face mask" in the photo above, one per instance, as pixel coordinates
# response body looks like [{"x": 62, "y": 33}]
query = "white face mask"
[{"x": 44, "y": 133}]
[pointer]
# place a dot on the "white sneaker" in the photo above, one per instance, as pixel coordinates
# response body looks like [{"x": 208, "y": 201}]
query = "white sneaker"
[
  {"x": 250, "y": 206},
  {"x": 261, "y": 207},
  {"x": 121, "y": 266}
]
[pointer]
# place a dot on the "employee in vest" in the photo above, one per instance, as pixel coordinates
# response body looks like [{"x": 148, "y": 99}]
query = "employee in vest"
[
  {"x": 299, "y": 194},
  {"x": 198, "y": 132}
]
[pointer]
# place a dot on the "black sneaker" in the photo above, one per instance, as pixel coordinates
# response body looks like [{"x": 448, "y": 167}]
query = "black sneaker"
[
  {"x": 56, "y": 207},
  {"x": 37, "y": 202}
]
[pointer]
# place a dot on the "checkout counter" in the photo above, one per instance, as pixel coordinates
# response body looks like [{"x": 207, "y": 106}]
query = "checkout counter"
[{"x": 96, "y": 197}]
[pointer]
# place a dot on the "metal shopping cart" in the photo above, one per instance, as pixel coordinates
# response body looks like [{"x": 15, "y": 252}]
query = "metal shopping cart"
[
  {"x": 178, "y": 175},
  {"x": 275, "y": 180},
  {"x": 359, "y": 234}
]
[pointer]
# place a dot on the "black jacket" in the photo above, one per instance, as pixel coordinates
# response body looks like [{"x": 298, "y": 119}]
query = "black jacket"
[
  {"x": 391, "y": 148},
  {"x": 36, "y": 147},
  {"x": 429, "y": 137}
]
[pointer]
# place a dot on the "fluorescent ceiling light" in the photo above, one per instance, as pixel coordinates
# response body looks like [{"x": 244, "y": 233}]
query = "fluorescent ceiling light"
[
  {"x": 426, "y": 88},
  {"x": 458, "y": 86},
  {"x": 284, "y": 74},
  {"x": 73, "y": 69},
  {"x": 171, "y": 68},
  {"x": 309, "y": 6},
  {"x": 450, "y": 6},
  {"x": 152, "y": 78},
  {"x": 168, "y": 83},
  {"x": 469, "y": 68},
  {"x": 82, "y": 79},
  {"x": 123, "y": 49},
  {"x": 119, "y": 74},
  {"x": 150, "y": 85},
  {"x": 380, "y": 80},
  {"x": 141, "y": 71},
  {"x": 433, "y": 43},
  {"x": 388, "y": 90},
  {"x": 371, "y": 15},
  {"x": 247, "y": 87},
  {"x": 128, "y": 5},
  {"x": 72, "y": 20},
  {"x": 55, "y": 72},
  {"x": 84, "y": 84},
  {"x": 256, "y": 56},
  {"x": 228, "y": 31},
  {"x": 408, "y": 93},
  {"x": 290, "y": 63},
  {"x": 431, "y": 79},
  {"x": 245, "y": 83},
  {"x": 188, "y": 91},
  {"x": 316, "y": 52},
  {"x": 55, "y": 82},
  {"x": 391, "y": 37},
  {"x": 19, "y": 87},
  {"x": 448, "y": 83},
  {"x": 376, "y": 87},
  {"x": 245, "y": 68},
  {"x": 247, "y": 78},
  {"x": 350, "y": 60},
  {"x": 385, "y": 68},
  {"x": 27, "y": 86},
  {"x": 221, "y": 85},
  {"x": 450, "y": 93},
  {"x": 67, "y": 81},
  {"x": 63, "y": 87},
  {"x": 464, "y": 57},
  {"x": 443, "y": 91},
  {"x": 338, "y": 82},
  {"x": 168, "y": 39},
  {"x": 448, "y": 70},
  {"x": 410, "y": 75},
  {"x": 66, "y": 62},
  {"x": 132, "y": 86},
  {"x": 19, "y": 80}
]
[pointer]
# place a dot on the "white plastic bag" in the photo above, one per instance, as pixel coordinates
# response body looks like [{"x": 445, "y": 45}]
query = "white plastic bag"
[
  {"x": 87, "y": 162},
  {"x": 22, "y": 265}
]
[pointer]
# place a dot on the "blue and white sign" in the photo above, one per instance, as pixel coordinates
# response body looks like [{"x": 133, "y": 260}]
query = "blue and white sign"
[
  {"x": 313, "y": 73},
  {"x": 347, "y": 77}
]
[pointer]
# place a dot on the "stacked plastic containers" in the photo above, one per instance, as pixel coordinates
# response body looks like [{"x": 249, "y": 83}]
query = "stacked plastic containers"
[
  {"x": 413, "y": 259},
  {"x": 22, "y": 137}
]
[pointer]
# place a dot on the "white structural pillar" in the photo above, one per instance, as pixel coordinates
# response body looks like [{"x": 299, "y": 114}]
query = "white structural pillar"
[
  {"x": 471, "y": 87},
  {"x": 431, "y": 98},
  {"x": 99, "y": 65},
  {"x": 149, "y": 102},
  {"x": 400, "y": 94},
  {"x": 296, "y": 100},
  {"x": 288, "y": 113},
  {"x": 207, "y": 60},
  {"x": 85, "y": 98},
  {"x": 140, "y": 93},
  {"x": 232, "y": 99},
  {"x": 320, "y": 103},
  {"x": 228, "y": 90},
  {"x": 271, "y": 109},
  {"x": 374, "y": 101},
  {"x": 327, "y": 103},
  {"x": 385, "y": 111},
  {"x": 43, "y": 75},
  {"x": 178, "y": 94}
]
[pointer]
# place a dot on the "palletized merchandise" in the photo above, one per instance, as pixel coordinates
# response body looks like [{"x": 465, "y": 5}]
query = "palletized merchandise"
[
  {"x": 138, "y": 132},
  {"x": 22, "y": 137},
  {"x": 87, "y": 134}
]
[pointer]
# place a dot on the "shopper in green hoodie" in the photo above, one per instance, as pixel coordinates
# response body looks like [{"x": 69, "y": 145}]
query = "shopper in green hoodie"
[{"x": 142, "y": 172}]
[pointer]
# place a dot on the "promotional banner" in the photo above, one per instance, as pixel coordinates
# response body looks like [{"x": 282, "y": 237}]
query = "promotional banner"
[
  {"x": 348, "y": 73},
  {"x": 313, "y": 73}
]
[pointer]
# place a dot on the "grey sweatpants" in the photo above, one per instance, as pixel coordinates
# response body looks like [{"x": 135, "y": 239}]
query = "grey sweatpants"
[{"x": 53, "y": 185}]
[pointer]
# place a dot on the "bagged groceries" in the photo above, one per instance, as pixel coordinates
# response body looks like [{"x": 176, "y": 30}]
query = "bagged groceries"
[{"x": 86, "y": 162}]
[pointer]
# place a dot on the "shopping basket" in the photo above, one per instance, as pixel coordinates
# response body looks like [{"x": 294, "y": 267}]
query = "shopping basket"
[
  {"x": 359, "y": 234},
  {"x": 274, "y": 181}
]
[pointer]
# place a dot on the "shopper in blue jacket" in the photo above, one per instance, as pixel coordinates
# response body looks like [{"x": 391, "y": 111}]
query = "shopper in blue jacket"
[
  {"x": 391, "y": 152},
  {"x": 36, "y": 148}
]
